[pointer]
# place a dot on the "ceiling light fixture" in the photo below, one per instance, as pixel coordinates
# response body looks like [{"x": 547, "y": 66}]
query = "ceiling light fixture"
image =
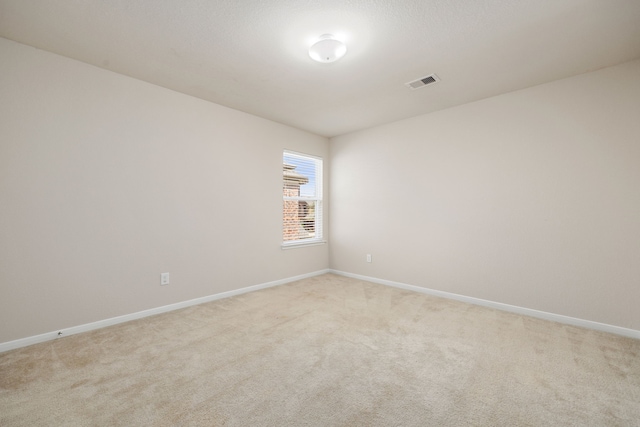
[{"x": 327, "y": 49}]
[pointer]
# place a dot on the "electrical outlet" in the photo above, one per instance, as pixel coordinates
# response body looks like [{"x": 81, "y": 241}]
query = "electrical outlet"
[
  {"x": 368, "y": 257},
  {"x": 164, "y": 278}
]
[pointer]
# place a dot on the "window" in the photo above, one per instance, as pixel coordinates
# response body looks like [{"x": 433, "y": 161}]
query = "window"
[{"x": 301, "y": 199}]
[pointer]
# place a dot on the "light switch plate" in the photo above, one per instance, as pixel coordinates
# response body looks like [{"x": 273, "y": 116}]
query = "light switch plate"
[{"x": 164, "y": 278}]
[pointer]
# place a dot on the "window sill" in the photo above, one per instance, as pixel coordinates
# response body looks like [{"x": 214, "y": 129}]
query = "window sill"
[{"x": 302, "y": 244}]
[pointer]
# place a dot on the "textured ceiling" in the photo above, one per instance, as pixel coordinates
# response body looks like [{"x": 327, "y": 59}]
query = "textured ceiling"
[{"x": 251, "y": 55}]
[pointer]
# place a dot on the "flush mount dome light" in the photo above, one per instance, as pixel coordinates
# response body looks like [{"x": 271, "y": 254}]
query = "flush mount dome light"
[{"x": 327, "y": 49}]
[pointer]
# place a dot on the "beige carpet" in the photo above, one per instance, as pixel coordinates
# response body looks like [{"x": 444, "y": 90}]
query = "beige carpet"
[{"x": 326, "y": 351}]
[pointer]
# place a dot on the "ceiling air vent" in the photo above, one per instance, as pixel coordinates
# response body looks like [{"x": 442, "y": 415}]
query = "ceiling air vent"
[{"x": 422, "y": 82}]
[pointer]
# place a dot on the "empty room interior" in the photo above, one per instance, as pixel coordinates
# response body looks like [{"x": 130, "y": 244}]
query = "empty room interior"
[{"x": 342, "y": 213}]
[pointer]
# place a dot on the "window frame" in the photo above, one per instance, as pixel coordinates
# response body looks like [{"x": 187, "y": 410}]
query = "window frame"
[{"x": 318, "y": 239}]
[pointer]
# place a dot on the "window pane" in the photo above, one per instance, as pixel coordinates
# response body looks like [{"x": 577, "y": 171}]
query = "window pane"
[
  {"x": 305, "y": 167},
  {"x": 299, "y": 220}
]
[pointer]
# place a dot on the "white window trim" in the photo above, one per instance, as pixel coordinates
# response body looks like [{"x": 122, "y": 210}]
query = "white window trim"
[
  {"x": 298, "y": 244},
  {"x": 319, "y": 222}
]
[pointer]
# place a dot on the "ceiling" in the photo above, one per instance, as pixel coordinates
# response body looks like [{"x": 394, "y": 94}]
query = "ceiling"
[{"x": 251, "y": 55}]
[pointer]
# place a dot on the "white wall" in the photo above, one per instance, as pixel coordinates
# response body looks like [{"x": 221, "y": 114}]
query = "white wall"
[
  {"x": 106, "y": 181},
  {"x": 531, "y": 198}
]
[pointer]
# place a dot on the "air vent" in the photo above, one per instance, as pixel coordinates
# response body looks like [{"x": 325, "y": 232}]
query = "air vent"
[{"x": 422, "y": 82}]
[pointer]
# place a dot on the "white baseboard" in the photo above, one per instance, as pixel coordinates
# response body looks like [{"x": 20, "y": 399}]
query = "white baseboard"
[
  {"x": 618, "y": 330},
  {"x": 23, "y": 342}
]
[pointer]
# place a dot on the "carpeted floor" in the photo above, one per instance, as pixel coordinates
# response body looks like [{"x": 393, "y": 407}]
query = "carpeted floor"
[{"x": 326, "y": 351}]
